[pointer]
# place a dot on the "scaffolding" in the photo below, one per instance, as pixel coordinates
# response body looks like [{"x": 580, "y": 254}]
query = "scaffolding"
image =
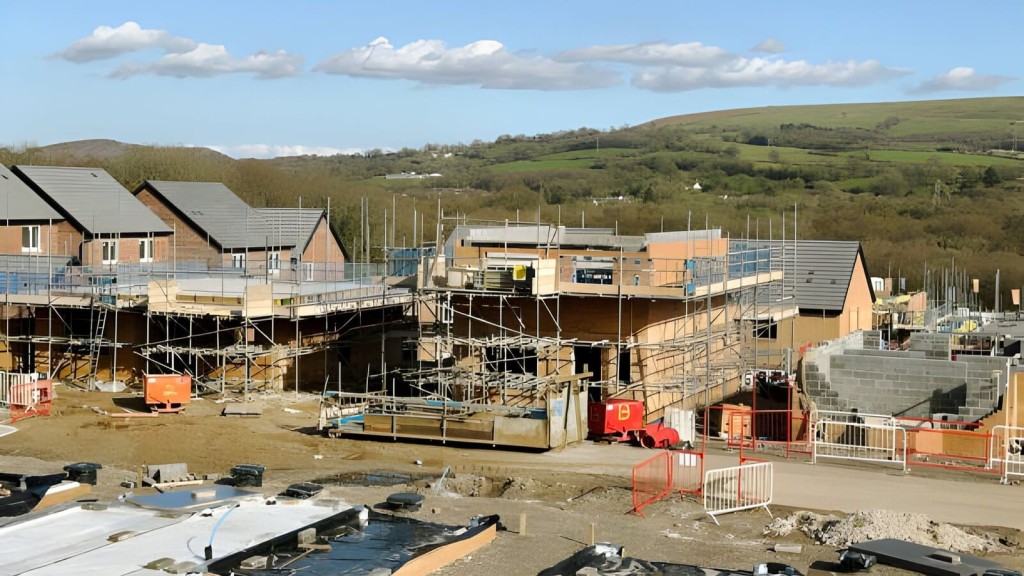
[
  {"x": 539, "y": 314},
  {"x": 225, "y": 328},
  {"x": 490, "y": 338}
]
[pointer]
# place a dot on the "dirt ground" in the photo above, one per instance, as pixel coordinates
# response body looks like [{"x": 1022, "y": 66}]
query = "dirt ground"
[{"x": 561, "y": 497}]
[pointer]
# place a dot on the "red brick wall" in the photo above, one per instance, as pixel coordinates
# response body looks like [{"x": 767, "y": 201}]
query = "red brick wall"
[
  {"x": 188, "y": 244},
  {"x": 59, "y": 238},
  {"x": 323, "y": 247}
]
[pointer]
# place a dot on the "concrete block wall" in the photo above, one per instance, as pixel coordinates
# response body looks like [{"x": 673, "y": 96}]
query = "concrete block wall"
[
  {"x": 872, "y": 339},
  {"x": 919, "y": 382},
  {"x": 933, "y": 345},
  {"x": 818, "y": 356},
  {"x": 885, "y": 353},
  {"x": 898, "y": 384},
  {"x": 986, "y": 378}
]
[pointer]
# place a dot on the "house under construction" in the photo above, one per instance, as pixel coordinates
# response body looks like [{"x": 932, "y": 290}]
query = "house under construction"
[
  {"x": 100, "y": 286},
  {"x": 521, "y": 326},
  {"x": 500, "y": 334}
]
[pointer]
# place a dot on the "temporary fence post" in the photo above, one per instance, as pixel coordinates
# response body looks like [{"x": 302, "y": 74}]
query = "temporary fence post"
[
  {"x": 739, "y": 484},
  {"x": 988, "y": 449},
  {"x": 789, "y": 420},
  {"x": 669, "y": 470},
  {"x": 814, "y": 443}
]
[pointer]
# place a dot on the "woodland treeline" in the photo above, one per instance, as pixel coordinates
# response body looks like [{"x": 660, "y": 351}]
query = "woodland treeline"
[{"x": 913, "y": 200}]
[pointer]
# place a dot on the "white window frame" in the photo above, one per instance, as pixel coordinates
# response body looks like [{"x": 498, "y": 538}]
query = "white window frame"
[
  {"x": 308, "y": 271},
  {"x": 146, "y": 250},
  {"x": 238, "y": 260},
  {"x": 273, "y": 263},
  {"x": 34, "y": 234},
  {"x": 109, "y": 251}
]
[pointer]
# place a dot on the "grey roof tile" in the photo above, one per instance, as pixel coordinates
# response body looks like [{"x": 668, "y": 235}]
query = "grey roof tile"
[
  {"x": 823, "y": 270},
  {"x": 217, "y": 212},
  {"x": 291, "y": 226},
  {"x": 93, "y": 200},
  {"x": 18, "y": 202}
]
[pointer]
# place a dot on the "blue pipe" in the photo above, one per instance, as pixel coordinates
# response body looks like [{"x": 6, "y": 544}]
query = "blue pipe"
[{"x": 209, "y": 547}]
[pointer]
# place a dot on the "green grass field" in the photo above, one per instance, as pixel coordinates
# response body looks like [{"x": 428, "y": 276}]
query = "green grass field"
[
  {"x": 934, "y": 119},
  {"x": 544, "y": 164},
  {"x": 946, "y": 158}
]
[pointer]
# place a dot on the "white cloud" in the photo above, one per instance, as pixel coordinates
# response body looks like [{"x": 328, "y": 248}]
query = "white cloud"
[
  {"x": 770, "y": 46},
  {"x": 961, "y": 79},
  {"x": 106, "y": 42},
  {"x": 207, "y": 60},
  {"x": 663, "y": 67},
  {"x": 276, "y": 150},
  {"x": 182, "y": 57},
  {"x": 484, "y": 63},
  {"x": 653, "y": 53},
  {"x": 750, "y": 72}
]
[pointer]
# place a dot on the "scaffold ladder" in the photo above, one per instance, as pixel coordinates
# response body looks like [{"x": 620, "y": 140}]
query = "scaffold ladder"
[{"x": 96, "y": 342}]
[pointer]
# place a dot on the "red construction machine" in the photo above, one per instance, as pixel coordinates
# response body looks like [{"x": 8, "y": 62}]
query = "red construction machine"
[{"x": 619, "y": 420}]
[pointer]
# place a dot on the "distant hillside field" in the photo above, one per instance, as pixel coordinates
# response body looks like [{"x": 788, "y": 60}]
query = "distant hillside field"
[
  {"x": 928, "y": 183},
  {"x": 921, "y": 121}
]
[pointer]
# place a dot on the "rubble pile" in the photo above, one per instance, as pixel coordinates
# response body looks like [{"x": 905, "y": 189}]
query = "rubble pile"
[{"x": 878, "y": 524}]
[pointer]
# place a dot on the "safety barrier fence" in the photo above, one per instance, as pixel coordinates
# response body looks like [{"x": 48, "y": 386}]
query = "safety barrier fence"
[
  {"x": 778, "y": 431},
  {"x": 947, "y": 444},
  {"x": 652, "y": 480},
  {"x": 863, "y": 437},
  {"x": 687, "y": 471},
  {"x": 8, "y": 383},
  {"x": 904, "y": 441},
  {"x": 1007, "y": 452},
  {"x": 25, "y": 395},
  {"x": 745, "y": 487},
  {"x": 668, "y": 472},
  {"x": 785, "y": 432}
]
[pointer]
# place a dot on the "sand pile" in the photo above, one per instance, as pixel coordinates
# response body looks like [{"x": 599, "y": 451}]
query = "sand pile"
[
  {"x": 877, "y": 524},
  {"x": 519, "y": 488},
  {"x": 467, "y": 485}
]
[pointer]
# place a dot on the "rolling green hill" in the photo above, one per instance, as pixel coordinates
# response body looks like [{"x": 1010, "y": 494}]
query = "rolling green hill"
[{"x": 915, "y": 182}]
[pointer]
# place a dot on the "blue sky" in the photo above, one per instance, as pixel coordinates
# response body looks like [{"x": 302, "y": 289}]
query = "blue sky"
[{"x": 279, "y": 78}]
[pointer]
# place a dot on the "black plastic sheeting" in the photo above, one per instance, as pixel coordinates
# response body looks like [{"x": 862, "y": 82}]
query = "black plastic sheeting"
[
  {"x": 607, "y": 560},
  {"x": 385, "y": 542},
  {"x": 25, "y": 491}
]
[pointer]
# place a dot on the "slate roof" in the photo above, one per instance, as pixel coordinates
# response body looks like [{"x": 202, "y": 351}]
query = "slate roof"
[
  {"x": 823, "y": 271},
  {"x": 92, "y": 200},
  {"x": 215, "y": 211},
  {"x": 19, "y": 203},
  {"x": 292, "y": 226}
]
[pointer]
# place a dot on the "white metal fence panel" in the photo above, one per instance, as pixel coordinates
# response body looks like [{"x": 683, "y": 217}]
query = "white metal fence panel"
[
  {"x": 864, "y": 437},
  {"x": 9, "y": 388},
  {"x": 742, "y": 487},
  {"x": 1007, "y": 451}
]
